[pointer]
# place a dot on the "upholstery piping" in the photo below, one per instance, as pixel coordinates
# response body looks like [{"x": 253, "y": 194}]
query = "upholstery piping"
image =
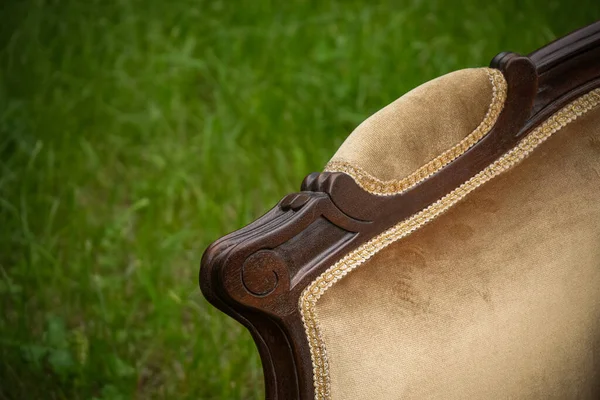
[
  {"x": 357, "y": 257},
  {"x": 378, "y": 187}
]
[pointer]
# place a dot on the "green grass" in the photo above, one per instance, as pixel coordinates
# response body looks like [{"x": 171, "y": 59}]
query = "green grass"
[{"x": 134, "y": 133}]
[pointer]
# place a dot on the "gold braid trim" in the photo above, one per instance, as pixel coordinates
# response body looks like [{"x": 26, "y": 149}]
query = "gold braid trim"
[
  {"x": 387, "y": 188},
  {"x": 355, "y": 258}
]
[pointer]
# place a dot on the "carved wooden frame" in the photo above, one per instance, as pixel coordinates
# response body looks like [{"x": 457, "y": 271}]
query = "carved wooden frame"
[{"x": 258, "y": 273}]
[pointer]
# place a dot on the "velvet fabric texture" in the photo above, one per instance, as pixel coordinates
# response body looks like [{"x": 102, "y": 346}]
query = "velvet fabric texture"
[
  {"x": 498, "y": 298},
  {"x": 420, "y": 125}
]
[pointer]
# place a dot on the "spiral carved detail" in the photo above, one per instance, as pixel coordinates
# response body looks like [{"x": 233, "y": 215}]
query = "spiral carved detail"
[{"x": 259, "y": 272}]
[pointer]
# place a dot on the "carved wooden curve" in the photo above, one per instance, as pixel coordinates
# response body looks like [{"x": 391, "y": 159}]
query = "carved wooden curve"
[{"x": 257, "y": 274}]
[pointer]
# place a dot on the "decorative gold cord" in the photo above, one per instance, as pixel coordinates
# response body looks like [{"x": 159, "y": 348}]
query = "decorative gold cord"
[
  {"x": 355, "y": 258},
  {"x": 387, "y": 188}
]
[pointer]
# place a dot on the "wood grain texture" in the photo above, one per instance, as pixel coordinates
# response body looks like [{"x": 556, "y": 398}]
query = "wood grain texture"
[{"x": 257, "y": 274}]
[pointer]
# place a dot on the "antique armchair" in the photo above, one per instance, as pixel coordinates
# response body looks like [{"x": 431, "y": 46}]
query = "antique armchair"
[{"x": 450, "y": 249}]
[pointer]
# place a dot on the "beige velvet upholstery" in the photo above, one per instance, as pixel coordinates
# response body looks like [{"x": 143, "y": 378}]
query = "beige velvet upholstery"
[
  {"x": 499, "y": 297},
  {"x": 419, "y": 126}
]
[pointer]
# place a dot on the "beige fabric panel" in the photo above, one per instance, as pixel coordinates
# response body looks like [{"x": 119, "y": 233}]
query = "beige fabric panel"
[
  {"x": 419, "y": 126},
  {"x": 499, "y": 298}
]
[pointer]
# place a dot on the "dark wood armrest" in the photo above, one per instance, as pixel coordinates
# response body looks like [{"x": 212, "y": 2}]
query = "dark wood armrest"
[{"x": 258, "y": 273}]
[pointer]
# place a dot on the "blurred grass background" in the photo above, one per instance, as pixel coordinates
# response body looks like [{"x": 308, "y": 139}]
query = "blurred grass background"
[{"x": 133, "y": 133}]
